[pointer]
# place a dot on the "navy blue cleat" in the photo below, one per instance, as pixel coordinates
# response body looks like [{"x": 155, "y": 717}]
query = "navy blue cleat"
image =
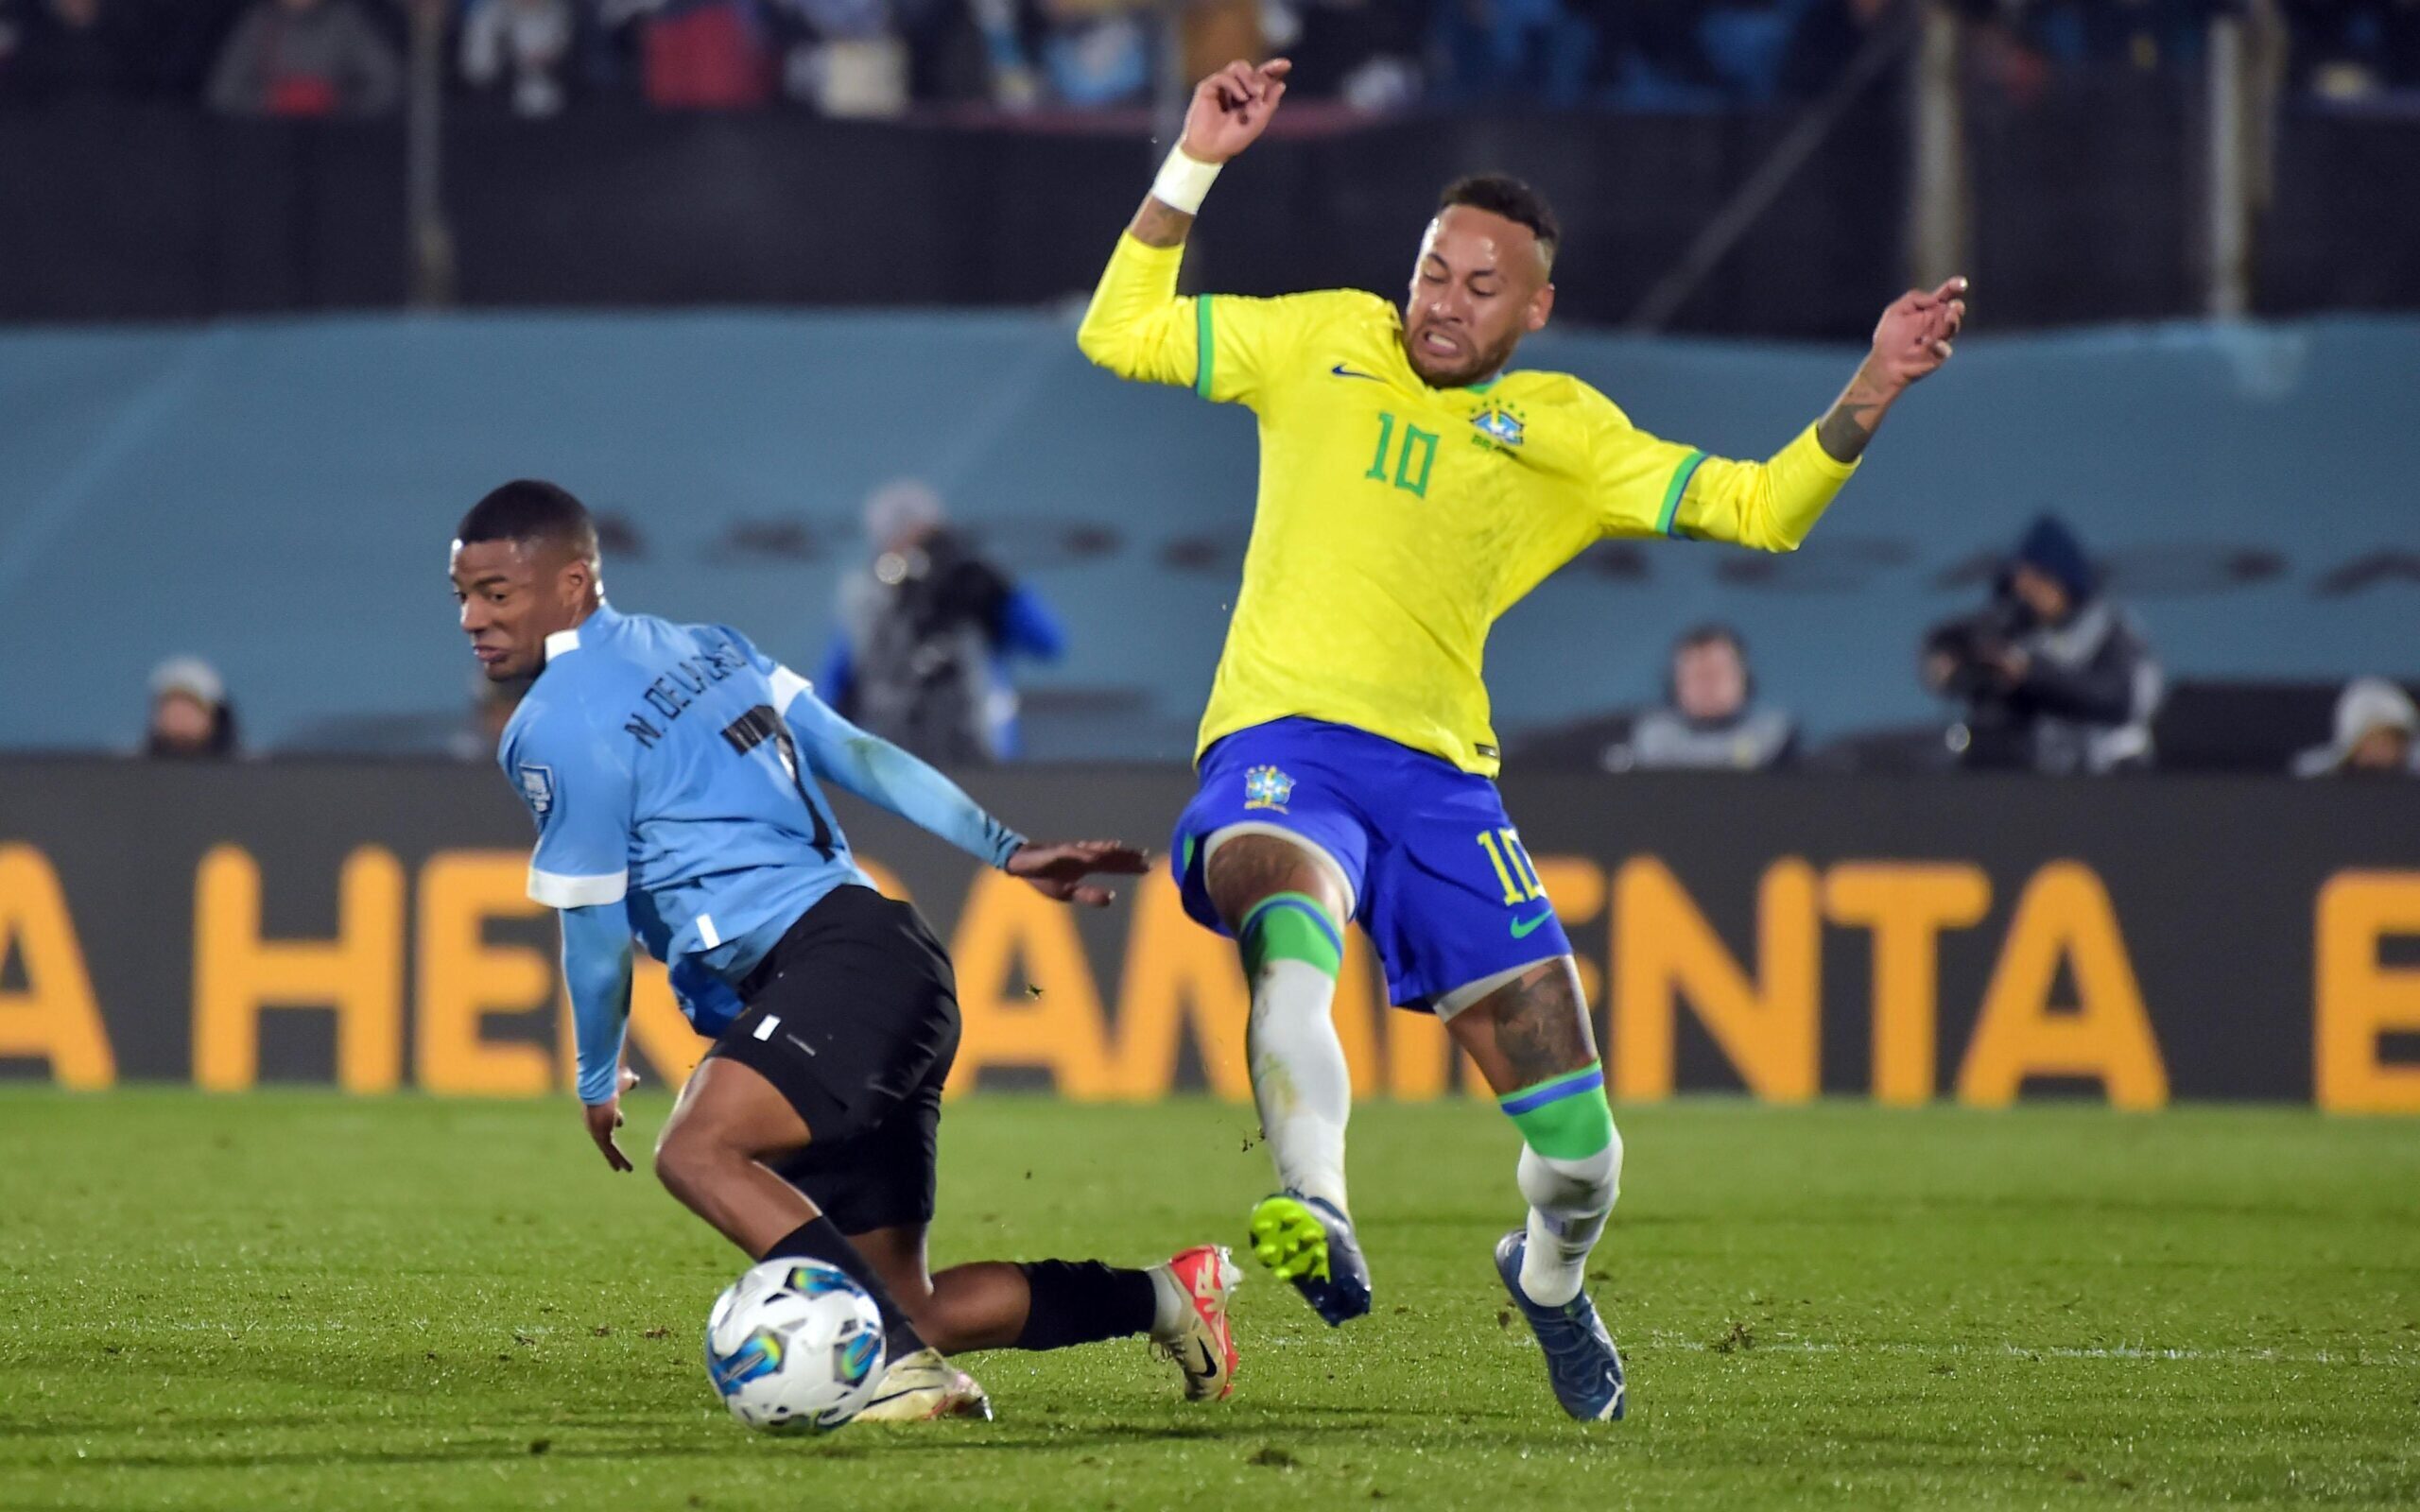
[
  {"x": 1581, "y": 1362},
  {"x": 1306, "y": 1242}
]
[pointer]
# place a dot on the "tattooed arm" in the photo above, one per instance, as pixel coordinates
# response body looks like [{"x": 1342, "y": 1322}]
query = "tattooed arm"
[
  {"x": 1911, "y": 342},
  {"x": 1665, "y": 490}
]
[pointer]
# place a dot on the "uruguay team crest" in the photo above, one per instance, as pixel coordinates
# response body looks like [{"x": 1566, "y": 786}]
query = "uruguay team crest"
[
  {"x": 1499, "y": 422},
  {"x": 1266, "y": 788},
  {"x": 537, "y": 787}
]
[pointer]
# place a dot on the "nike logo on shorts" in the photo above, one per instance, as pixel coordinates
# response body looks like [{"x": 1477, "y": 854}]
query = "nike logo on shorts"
[{"x": 1523, "y": 928}]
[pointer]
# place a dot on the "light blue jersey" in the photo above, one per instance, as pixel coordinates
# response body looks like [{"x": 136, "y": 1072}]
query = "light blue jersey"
[{"x": 672, "y": 771}]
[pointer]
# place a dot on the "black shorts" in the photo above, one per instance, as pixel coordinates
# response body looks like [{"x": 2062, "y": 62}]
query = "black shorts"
[{"x": 853, "y": 1017}]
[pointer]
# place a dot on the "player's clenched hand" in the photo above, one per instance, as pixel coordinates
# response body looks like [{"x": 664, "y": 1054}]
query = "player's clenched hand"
[
  {"x": 1230, "y": 107},
  {"x": 1915, "y": 332},
  {"x": 603, "y": 1119},
  {"x": 1060, "y": 870}
]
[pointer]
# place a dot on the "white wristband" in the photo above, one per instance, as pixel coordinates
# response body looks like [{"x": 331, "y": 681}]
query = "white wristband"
[{"x": 1182, "y": 183}]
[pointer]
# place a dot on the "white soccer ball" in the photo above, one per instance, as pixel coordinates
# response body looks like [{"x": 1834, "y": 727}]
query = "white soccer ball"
[{"x": 794, "y": 1346}]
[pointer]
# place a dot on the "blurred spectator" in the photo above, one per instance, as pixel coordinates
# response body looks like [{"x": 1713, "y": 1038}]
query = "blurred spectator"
[
  {"x": 703, "y": 54},
  {"x": 69, "y": 47},
  {"x": 2055, "y": 676},
  {"x": 1708, "y": 719},
  {"x": 2377, "y": 734},
  {"x": 1097, "y": 52},
  {"x": 522, "y": 46},
  {"x": 191, "y": 717},
  {"x": 926, "y": 634},
  {"x": 1536, "y": 51},
  {"x": 1364, "y": 52},
  {"x": 306, "y": 57},
  {"x": 2345, "y": 49},
  {"x": 1654, "y": 51},
  {"x": 845, "y": 57}
]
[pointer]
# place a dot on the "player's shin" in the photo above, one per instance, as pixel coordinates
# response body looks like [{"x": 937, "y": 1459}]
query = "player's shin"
[
  {"x": 1072, "y": 1302},
  {"x": 1570, "y": 1174},
  {"x": 1291, "y": 952},
  {"x": 819, "y": 1238}
]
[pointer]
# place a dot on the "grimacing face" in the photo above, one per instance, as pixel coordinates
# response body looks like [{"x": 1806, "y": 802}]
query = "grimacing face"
[
  {"x": 515, "y": 593},
  {"x": 1481, "y": 283}
]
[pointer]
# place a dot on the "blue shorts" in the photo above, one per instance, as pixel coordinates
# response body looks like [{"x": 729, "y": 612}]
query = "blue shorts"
[{"x": 1441, "y": 882}]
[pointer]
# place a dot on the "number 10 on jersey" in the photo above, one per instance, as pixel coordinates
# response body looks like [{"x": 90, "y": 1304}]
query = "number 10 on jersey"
[{"x": 1417, "y": 443}]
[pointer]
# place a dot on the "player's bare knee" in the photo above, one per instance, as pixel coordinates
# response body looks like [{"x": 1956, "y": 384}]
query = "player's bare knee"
[
  {"x": 687, "y": 1152},
  {"x": 1249, "y": 868}
]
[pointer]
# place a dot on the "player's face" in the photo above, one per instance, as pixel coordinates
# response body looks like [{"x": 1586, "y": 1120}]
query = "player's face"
[
  {"x": 513, "y": 595},
  {"x": 1479, "y": 287}
]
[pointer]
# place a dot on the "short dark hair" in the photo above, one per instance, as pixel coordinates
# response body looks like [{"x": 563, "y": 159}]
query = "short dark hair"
[
  {"x": 1500, "y": 194},
  {"x": 1712, "y": 632},
  {"x": 528, "y": 510}
]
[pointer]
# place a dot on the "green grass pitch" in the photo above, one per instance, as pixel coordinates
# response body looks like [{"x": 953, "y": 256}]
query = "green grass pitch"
[{"x": 297, "y": 1300}]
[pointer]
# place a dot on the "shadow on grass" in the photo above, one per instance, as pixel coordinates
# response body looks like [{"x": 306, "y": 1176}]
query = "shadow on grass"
[{"x": 867, "y": 1443}]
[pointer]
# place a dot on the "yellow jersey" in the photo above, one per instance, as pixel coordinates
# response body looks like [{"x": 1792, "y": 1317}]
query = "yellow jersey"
[{"x": 1396, "y": 521}]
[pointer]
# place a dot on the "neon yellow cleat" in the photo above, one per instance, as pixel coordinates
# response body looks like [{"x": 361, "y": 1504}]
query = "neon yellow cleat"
[{"x": 1307, "y": 1242}]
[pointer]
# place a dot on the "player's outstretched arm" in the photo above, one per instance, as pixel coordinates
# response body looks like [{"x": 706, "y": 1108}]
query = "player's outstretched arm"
[
  {"x": 1772, "y": 505},
  {"x": 1910, "y": 342},
  {"x": 1228, "y": 110},
  {"x": 882, "y": 774},
  {"x": 1136, "y": 327},
  {"x": 597, "y": 973}
]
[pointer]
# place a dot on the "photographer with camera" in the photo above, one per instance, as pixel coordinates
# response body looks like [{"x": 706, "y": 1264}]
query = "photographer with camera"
[
  {"x": 2055, "y": 676},
  {"x": 926, "y": 631}
]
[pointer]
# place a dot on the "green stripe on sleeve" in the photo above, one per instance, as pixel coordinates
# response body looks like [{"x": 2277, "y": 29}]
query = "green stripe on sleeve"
[
  {"x": 1681, "y": 476},
  {"x": 1209, "y": 346}
]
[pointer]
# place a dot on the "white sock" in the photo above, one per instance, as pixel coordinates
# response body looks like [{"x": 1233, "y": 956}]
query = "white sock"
[
  {"x": 1299, "y": 1077},
  {"x": 1169, "y": 1302},
  {"x": 1568, "y": 1202}
]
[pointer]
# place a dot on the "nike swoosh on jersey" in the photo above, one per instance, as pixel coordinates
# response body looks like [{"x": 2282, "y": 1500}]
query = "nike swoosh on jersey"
[
  {"x": 1523, "y": 928},
  {"x": 1343, "y": 371}
]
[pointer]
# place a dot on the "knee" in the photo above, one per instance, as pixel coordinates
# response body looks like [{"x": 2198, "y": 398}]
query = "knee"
[
  {"x": 685, "y": 1156},
  {"x": 1583, "y": 1184},
  {"x": 1248, "y": 869}
]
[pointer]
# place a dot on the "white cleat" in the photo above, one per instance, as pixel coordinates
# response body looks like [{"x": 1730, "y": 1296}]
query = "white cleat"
[
  {"x": 922, "y": 1387},
  {"x": 1204, "y": 1347}
]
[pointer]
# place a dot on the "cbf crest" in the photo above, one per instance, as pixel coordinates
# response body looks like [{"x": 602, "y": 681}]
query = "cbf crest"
[
  {"x": 537, "y": 787},
  {"x": 1266, "y": 788},
  {"x": 1500, "y": 422}
]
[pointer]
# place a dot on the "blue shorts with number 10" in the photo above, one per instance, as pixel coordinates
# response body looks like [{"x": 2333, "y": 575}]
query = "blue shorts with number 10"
[{"x": 1441, "y": 883}]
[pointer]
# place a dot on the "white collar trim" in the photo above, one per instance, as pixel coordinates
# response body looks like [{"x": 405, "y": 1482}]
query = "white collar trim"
[{"x": 563, "y": 641}]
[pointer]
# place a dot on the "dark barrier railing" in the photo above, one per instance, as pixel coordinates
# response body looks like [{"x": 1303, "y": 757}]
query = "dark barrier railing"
[
  {"x": 2084, "y": 209},
  {"x": 1977, "y": 939}
]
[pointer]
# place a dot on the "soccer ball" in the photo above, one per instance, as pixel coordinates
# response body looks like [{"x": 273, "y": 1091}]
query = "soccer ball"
[{"x": 794, "y": 1346}]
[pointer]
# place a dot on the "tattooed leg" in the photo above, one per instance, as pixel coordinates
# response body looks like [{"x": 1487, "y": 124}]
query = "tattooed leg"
[{"x": 1532, "y": 1040}]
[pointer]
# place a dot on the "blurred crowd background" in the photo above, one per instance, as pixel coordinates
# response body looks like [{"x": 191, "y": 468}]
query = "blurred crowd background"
[
  {"x": 785, "y": 287},
  {"x": 883, "y": 57}
]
